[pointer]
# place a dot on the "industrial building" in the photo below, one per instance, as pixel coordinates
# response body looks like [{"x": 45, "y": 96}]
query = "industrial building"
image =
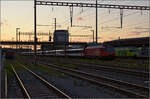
[{"x": 139, "y": 42}]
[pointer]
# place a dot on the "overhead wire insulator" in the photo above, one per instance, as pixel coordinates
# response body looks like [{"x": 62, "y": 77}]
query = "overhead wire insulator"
[
  {"x": 52, "y": 9},
  {"x": 141, "y": 12},
  {"x": 121, "y": 17},
  {"x": 71, "y": 15},
  {"x": 109, "y": 11},
  {"x": 81, "y": 11}
]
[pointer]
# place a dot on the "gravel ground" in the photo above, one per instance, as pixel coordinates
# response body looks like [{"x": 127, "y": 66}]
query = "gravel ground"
[
  {"x": 123, "y": 77},
  {"x": 34, "y": 86},
  {"x": 14, "y": 90},
  {"x": 118, "y": 76},
  {"x": 79, "y": 88},
  {"x": 114, "y": 75}
]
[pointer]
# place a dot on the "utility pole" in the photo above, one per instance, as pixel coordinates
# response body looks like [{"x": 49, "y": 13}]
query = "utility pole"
[
  {"x": 35, "y": 38},
  {"x": 53, "y": 37},
  {"x": 121, "y": 17},
  {"x": 71, "y": 15},
  {"x": 91, "y": 5},
  {"x": 55, "y": 24},
  {"x": 96, "y": 22},
  {"x": 93, "y": 35},
  {"x": 17, "y": 36},
  {"x": 29, "y": 41}
]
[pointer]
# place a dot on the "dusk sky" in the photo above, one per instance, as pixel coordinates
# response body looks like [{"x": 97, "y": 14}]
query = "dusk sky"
[{"x": 19, "y": 14}]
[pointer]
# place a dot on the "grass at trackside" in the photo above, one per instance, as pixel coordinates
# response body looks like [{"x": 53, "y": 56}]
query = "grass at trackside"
[
  {"x": 116, "y": 62},
  {"x": 128, "y": 62},
  {"x": 131, "y": 63},
  {"x": 56, "y": 61},
  {"x": 47, "y": 70},
  {"x": 65, "y": 65},
  {"x": 43, "y": 68},
  {"x": 8, "y": 66},
  {"x": 136, "y": 63}
]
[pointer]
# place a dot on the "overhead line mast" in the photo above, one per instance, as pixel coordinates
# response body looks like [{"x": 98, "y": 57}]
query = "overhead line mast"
[
  {"x": 92, "y": 5},
  {"x": 96, "y": 23},
  {"x": 35, "y": 37},
  {"x": 73, "y": 4}
]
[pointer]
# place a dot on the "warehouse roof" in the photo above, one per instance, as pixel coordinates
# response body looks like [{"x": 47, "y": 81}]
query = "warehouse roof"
[{"x": 143, "y": 41}]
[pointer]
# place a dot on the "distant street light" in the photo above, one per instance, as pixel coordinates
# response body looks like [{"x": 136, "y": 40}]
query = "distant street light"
[
  {"x": 12, "y": 41},
  {"x": 17, "y": 36}
]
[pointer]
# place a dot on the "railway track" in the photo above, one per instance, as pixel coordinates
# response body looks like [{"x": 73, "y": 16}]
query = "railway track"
[
  {"x": 129, "y": 89},
  {"x": 34, "y": 86},
  {"x": 116, "y": 69},
  {"x": 138, "y": 73},
  {"x": 23, "y": 89},
  {"x": 126, "y": 76}
]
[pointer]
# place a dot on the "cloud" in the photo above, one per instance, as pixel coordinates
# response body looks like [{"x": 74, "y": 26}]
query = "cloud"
[
  {"x": 80, "y": 19},
  {"x": 138, "y": 32},
  {"x": 5, "y": 22},
  {"x": 111, "y": 38},
  {"x": 99, "y": 37},
  {"x": 1, "y": 24}
]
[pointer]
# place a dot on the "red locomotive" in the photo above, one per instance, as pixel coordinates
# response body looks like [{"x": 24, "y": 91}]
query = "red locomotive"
[{"x": 99, "y": 51}]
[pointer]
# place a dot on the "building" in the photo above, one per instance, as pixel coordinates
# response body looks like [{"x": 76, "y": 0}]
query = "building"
[
  {"x": 61, "y": 37},
  {"x": 139, "y": 42}
]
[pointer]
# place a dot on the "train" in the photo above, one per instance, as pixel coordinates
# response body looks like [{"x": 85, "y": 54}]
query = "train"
[
  {"x": 97, "y": 51},
  {"x": 136, "y": 52}
]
